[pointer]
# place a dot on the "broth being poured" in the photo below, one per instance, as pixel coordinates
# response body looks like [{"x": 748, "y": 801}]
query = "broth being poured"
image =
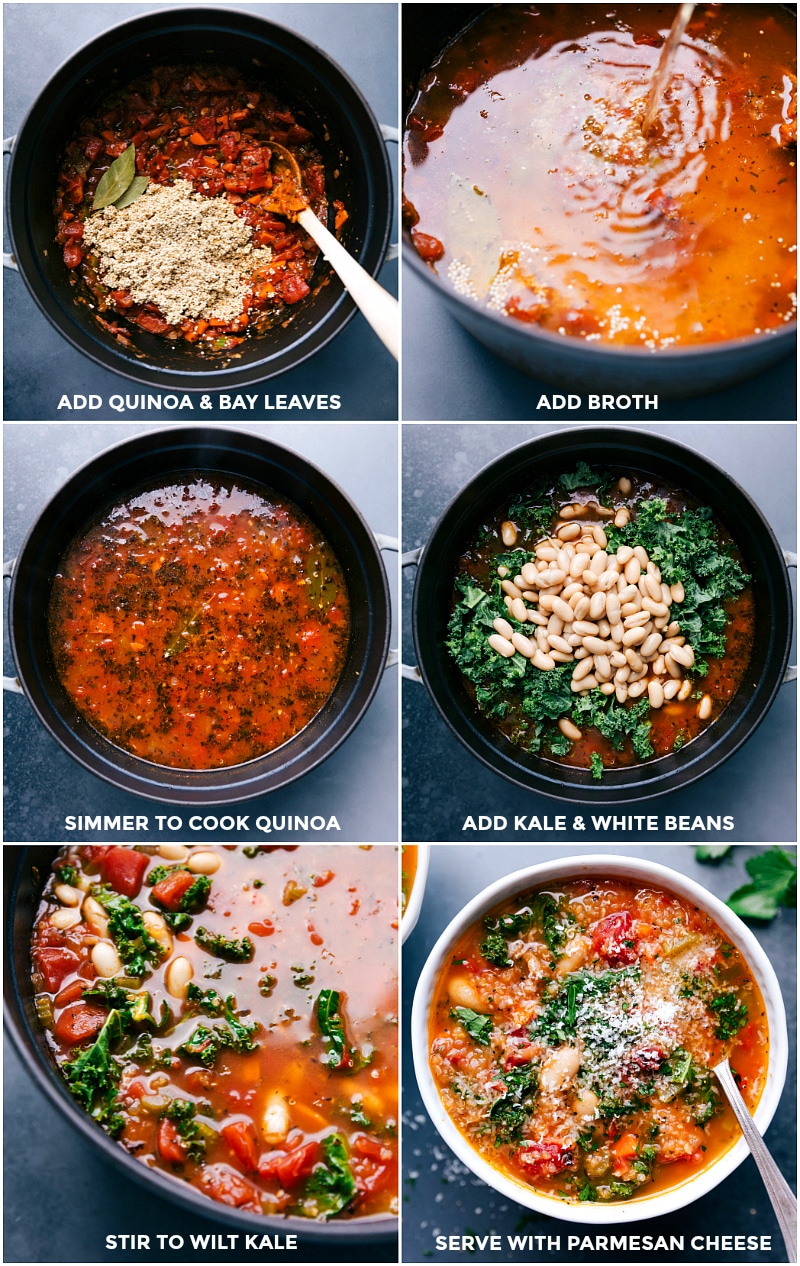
[{"x": 531, "y": 186}]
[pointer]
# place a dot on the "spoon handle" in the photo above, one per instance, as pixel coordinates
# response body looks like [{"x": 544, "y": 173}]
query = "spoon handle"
[
  {"x": 380, "y": 309},
  {"x": 783, "y": 1199}
]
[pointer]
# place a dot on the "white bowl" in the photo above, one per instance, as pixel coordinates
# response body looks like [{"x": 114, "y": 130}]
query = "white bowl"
[
  {"x": 567, "y": 868},
  {"x": 411, "y": 912}
]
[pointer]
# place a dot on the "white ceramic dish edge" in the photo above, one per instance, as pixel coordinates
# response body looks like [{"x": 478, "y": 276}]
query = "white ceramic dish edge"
[
  {"x": 625, "y": 867},
  {"x": 411, "y": 912}
]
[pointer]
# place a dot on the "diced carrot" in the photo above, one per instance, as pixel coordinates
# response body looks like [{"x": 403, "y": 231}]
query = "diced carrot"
[
  {"x": 626, "y": 1146},
  {"x": 198, "y": 139}
]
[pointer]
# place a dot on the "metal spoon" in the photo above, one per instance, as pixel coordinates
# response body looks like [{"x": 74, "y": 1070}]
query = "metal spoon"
[
  {"x": 783, "y": 1199},
  {"x": 379, "y": 308}
]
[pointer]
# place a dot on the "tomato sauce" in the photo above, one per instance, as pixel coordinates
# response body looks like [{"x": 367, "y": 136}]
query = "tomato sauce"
[
  {"x": 199, "y": 624},
  {"x": 208, "y": 126},
  {"x": 574, "y": 1048},
  {"x": 531, "y": 189},
  {"x": 249, "y": 1123}
]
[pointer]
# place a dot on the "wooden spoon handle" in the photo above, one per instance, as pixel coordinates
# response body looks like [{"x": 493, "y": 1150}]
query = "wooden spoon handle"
[
  {"x": 784, "y": 1201},
  {"x": 381, "y": 310}
]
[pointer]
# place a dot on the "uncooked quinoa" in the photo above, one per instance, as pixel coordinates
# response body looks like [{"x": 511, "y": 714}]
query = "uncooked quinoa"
[{"x": 188, "y": 254}]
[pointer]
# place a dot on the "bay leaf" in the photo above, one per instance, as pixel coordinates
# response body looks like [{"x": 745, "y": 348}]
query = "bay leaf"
[
  {"x": 135, "y": 189},
  {"x": 473, "y": 231},
  {"x": 116, "y": 180}
]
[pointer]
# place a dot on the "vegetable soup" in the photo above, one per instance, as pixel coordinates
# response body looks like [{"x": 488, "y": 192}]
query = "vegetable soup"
[
  {"x": 200, "y": 623},
  {"x": 409, "y": 872},
  {"x": 601, "y": 618},
  {"x": 230, "y": 1015},
  {"x": 531, "y": 189},
  {"x": 573, "y": 1033}
]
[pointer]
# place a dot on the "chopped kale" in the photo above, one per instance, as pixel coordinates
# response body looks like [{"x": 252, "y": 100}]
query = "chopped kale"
[
  {"x": 93, "y": 1076},
  {"x": 495, "y": 950},
  {"x": 510, "y": 1113},
  {"x": 207, "y": 1000},
  {"x": 596, "y": 766},
  {"x": 340, "y": 1054},
  {"x": 478, "y": 1026},
  {"x": 332, "y": 1186},
  {"x": 66, "y": 874},
  {"x": 182, "y": 1113},
  {"x": 139, "y": 951},
  {"x": 232, "y": 951},
  {"x": 205, "y": 1043},
  {"x": 730, "y": 1015}
]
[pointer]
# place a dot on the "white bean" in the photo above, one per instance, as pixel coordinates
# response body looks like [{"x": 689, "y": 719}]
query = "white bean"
[
  {"x": 624, "y": 555},
  {"x": 582, "y": 608},
  {"x": 543, "y": 661},
  {"x": 655, "y": 608},
  {"x": 641, "y": 553},
  {"x": 650, "y": 645},
  {"x": 671, "y": 688},
  {"x": 599, "y": 563},
  {"x": 704, "y": 708},
  {"x": 67, "y": 895},
  {"x": 685, "y": 690},
  {"x": 462, "y": 992},
  {"x": 600, "y": 536},
  {"x": 536, "y": 617},
  {"x": 597, "y": 606},
  {"x": 655, "y": 692},
  {"x": 178, "y": 976},
  {"x": 617, "y": 632},
  {"x": 602, "y": 667},
  {"x": 571, "y": 731},
  {"x": 683, "y": 655},
  {"x": 597, "y": 645},
  {"x": 674, "y": 669},
  {"x": 511, "y": 589},
  {"x": 578, "y": 565},
  {"x": 555, "y": 576},
  {"x": 584, "y": 627},
  {"x": 508, "y": 533},
  {"x": 503, "y": 627},
  {"x": 633, "y": 637},
  {"x": 653, "y": 588},
  {"x": 583, "y": 669},
  {"x": 523, "y": 644},
  {"x": 173, "y": 852},
  {"x": 588, "y": 683},
  {"x": 95, "y": 916},
  {"x": 559, "y": 644},
  {"x": 158, "y": 929},
  {"x": 634, "y": 659},
  {"x": 622, "y": 517},
  {"x": 559, "y": 1069},
  {"x": 65, "y": 918},
  {"x": 568, "y": 531},
  {"x": 276, "y": 1123},
  {"x": 607, "y": 687},
  {"x": 624, "y": 484},
  {"x": 545, "y": 553},
  {"x": 569, "y": 512},
  {"x": 204, "y": 863},
  {"x": 519, "y": 610},
  {"x": 604, "y": 629},
  {"x": 618, "y": 660},
  {"x": 562, "y": 609},
  {"x": 529, "y": 573},
  {"x": 676, "y": 592},
  {"x": 633, "y": 570},
  {"x": 659, "y": 667},
  {"x": 501, "y": 645},
  {"x": 612, "y": 608},
  {"x": 621, "y": 691},
  {"x": 561, "y": 657},
  {"x": 635, "y": 689},
  {"x": 106, "y": 960}
]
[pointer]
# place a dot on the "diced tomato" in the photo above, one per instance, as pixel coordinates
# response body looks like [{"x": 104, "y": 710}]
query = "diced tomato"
[
  {"x": 74, "y": 231},
  {"x": 369, "y": 1174},
  {"x": 613, "y": 939},
  {"x": 289, "y": 1167},
  {"x": 93, "y": 148},
  {"x": 78, "y": 1022},
  {"x": 322, "y": 878},
  {"x": 124, "y": 869},
  {"x": 95, "y": 853},
  {"x": 626, "y": 1146},
  {"x": 366, "y": 1145},
  {"x": 229, "y": 146},
  {"x": 427, "y": 247},
  {"x": 264, "y": 928},
  {"x": 170, "y": 1144},
  {"x": 55, "y": 965},
  {"x": 544, "y": 1159},
  {"x": 122, "y": 298},
  {"x": 241, "y": 1139},
  {"x": 70, "y": 993},
  {"x": 72, "y": 255},
  {"x": 293, "y": 289},
  {"x": 170, "y": 891},
  {"x": 227, "y": 1187},
  {"x": 647, "y": 1059},
  {"x": 153, "y": 324}
]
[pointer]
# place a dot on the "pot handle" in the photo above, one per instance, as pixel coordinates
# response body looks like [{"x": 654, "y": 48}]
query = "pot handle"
[
  {"x": 411, "y": 559},
  {"x": 390, "y": 543},
  {"x": 11, "y": 684},
  {"x": 8, "y": 259},
  {"x": 790, "y": 558},
  {"x": 392, "y": 134}
]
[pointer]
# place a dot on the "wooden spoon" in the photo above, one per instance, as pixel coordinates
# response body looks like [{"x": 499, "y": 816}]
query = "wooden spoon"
[
  {"x": 783, "y": 1199},
  {"x": 288, "y": 198}
]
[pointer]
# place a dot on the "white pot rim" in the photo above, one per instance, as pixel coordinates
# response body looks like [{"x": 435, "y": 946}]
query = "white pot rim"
[{"x": 613, "y": 865}]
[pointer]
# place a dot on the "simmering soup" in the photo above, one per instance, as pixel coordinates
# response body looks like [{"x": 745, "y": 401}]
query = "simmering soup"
[
  {"x": 230, "y": 1016},
  {"x": 532, "y": 190}
]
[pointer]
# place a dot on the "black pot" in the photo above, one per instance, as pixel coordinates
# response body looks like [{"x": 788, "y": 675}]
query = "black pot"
[
  {"x": 346, "y": 133},
  {"x": 112, "y": 475},
  {"x": 677, "y": 465},
  {"x": 572, "y": 363},
  {"x": 25, "y": 871}
]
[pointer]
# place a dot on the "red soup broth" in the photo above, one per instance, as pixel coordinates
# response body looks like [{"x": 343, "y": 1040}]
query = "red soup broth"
[
  {"x": 573, "y": 1033},
  {"x": 237, "y": 1083},
  {"x": 199, "y": 623}
]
